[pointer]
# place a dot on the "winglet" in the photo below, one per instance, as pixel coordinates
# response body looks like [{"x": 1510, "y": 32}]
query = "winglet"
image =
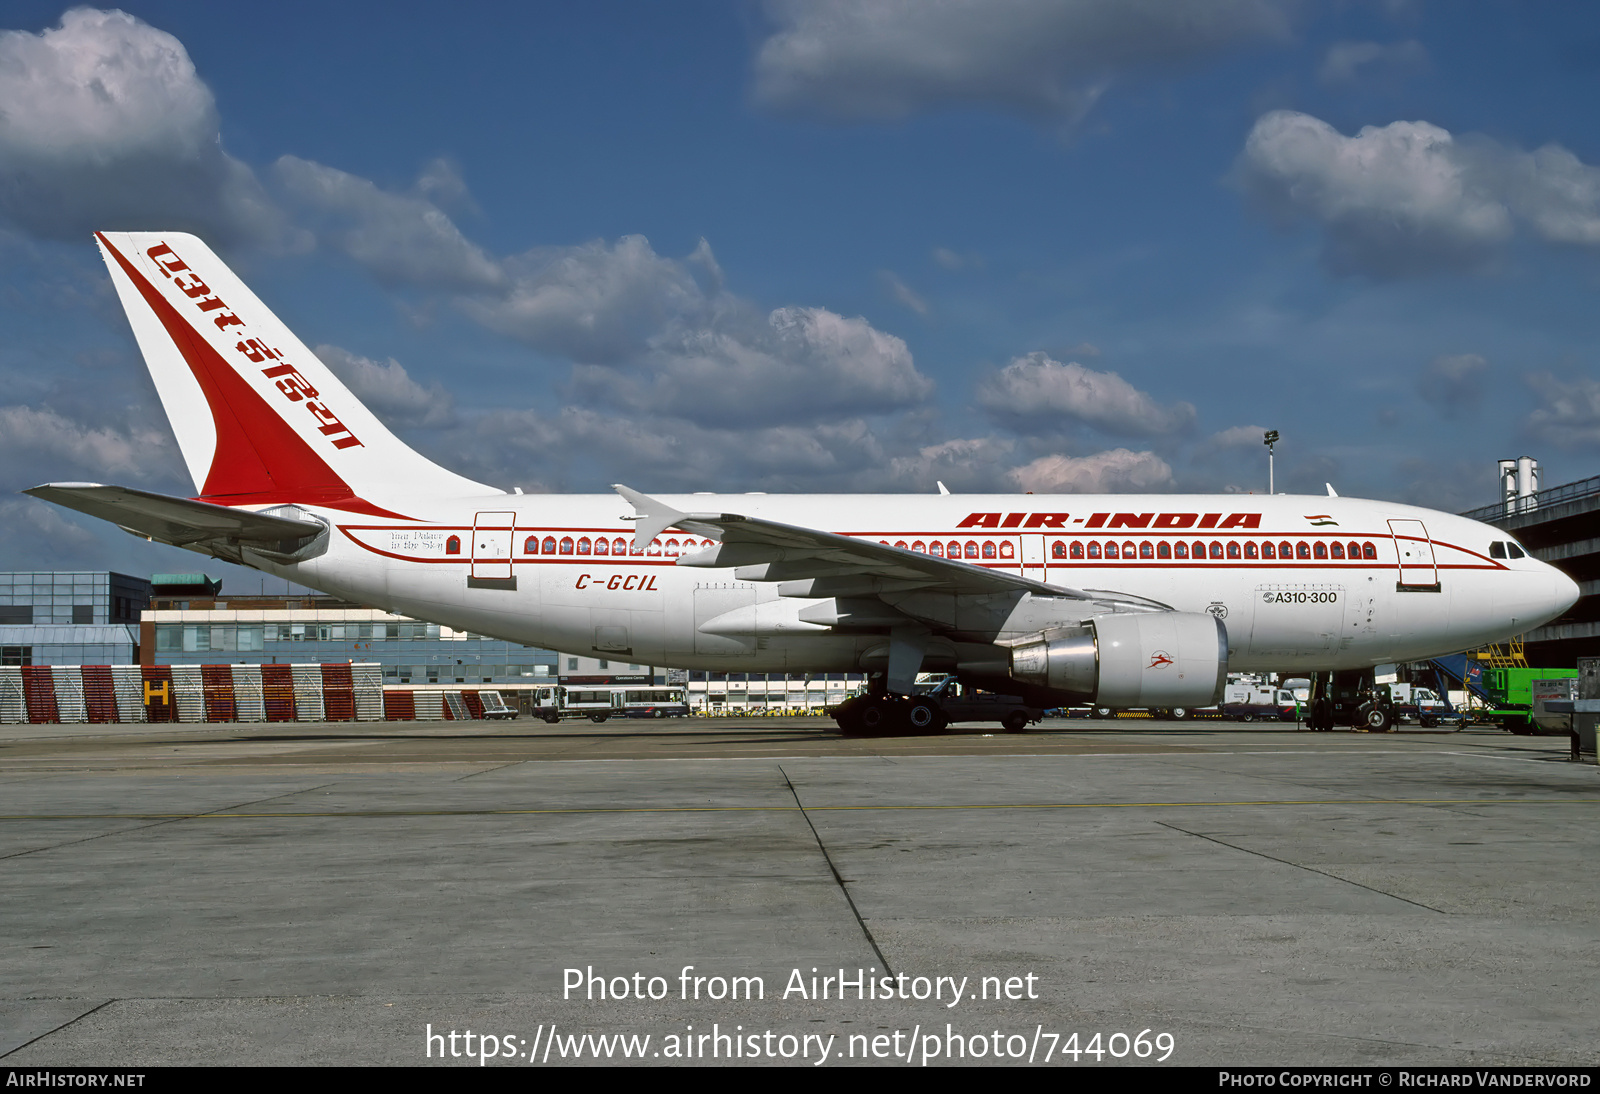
[
  {"x": 651, "y": 516},
  {"x": 1331, "y": 492}
]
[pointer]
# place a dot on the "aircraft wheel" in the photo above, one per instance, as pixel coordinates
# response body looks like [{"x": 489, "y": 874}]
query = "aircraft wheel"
[
  {"x": 924, "y": 717},
  {"x": 1379, "y": 720},
  {"x": 878, "y": 718},
  {"x": 1015, "y": 722}
]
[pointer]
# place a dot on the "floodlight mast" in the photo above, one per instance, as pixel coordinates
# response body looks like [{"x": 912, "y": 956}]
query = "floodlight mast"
[{"x": 1270, "y": 438}]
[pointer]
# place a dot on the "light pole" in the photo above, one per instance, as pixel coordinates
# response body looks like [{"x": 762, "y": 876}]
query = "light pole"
[{"x": 1269, "y": 439}]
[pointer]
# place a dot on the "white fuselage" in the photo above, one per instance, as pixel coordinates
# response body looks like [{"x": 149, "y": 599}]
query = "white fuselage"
[{"x": 1301, "y": 582}]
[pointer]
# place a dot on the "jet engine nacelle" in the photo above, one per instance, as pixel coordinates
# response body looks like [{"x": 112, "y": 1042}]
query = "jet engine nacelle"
[{"x": 1135, "y": 659}]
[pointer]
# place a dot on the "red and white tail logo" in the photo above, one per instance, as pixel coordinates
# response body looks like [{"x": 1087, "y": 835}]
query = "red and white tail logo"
[{"x": 259, "y": 419}]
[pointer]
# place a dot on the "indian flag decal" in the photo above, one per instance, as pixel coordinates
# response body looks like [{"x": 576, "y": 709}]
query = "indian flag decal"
[{"x": 1318, "y": 520}]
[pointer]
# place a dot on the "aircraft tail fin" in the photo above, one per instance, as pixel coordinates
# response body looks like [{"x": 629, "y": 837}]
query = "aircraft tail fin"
[{"x": 259, "y": 419}]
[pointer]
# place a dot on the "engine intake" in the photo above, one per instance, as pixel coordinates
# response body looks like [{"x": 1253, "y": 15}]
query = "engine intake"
[{"x": 1135, "y": 659}]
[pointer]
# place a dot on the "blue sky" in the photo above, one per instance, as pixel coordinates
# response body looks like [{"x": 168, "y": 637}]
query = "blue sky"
[{"x": 1071, "y": 246}]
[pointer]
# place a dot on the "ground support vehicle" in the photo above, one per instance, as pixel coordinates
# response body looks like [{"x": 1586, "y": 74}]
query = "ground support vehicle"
[
  {"x": 598, "y": 702},
  {"x": 936, "y": 704},
  {"x": 1501, "y": 696}
]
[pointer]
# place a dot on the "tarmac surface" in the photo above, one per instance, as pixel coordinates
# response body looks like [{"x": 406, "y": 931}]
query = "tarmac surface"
[{"x": 1237, "y": 895}]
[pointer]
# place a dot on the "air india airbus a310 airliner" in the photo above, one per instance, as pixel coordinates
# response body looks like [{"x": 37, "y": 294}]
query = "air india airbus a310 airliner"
[{"x": 1121, "y": 601}]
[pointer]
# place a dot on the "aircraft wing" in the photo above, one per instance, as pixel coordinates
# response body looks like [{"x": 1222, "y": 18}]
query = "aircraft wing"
[
  {"x": 181, "y": 522},
  {"x": 822, "y": 564}
]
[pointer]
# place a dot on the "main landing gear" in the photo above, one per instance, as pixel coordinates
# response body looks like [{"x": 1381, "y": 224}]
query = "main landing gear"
[{"x": 890, "y": 716}]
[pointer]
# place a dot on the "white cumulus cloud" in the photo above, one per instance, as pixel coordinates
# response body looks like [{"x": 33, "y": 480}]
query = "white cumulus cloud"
[
  {"x": 1410, "y": 198},
  {"x": 887, "y": 59},
  {"x": 1036, "y": 392},
  {"x": 104, "y": 124},
  {"x": 1116, "y": 471},
  {"x": 388, "y": 390}
]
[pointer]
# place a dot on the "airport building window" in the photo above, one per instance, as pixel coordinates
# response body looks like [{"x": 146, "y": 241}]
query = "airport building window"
[
  {"x": 1250, "y": 549},
  {"x": 16, "y": 655},
  {"x": 452, "y": 546},
  {"x": 1163, "y": 549}
]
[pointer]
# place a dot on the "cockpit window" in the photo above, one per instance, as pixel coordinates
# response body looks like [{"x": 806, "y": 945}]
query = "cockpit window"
[
  {"x": 1516, "y": 552},
  {"x": 1497, "y": 549}
]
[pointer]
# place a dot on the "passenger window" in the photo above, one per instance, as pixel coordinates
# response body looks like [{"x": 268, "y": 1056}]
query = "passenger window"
[
  {"x": 1368, "y": 551},
  {"x": 1337, "y": 549},
  {"x": 1250, "y": 549},
  {"x": 1146, "y": 549},
  {"x": 1216, "y": 549},
  {"x": 601, "y": 547},
  {"x": 619, "y": 546},
  {"x": 1285, "y": 549},
  {"x": 1497, "y": 549},
  {"x": 1163, "y": 549},
  {"x": 920, "y": 547},
  {"x": 1233, "y": 548},
  {"x": 530, "y": 546},
  {"x": 1007, "y": 550},
  {"x": 566, "y": 545},
  {"x": 1111, "y": 550},
  {"x": 584, "y": 546},
  {"x": 1058, "y": 549},
  {"x": 1180, "y": 549},
  {"x": 955, "y": 549},
  {"x": 936, "y": 549},
  {"x": 1302, "y": 550},
  {"x": 1077, "y": 549},
  {"x": 1199, "y": 549},
  {"x": 1268, "y": 551},
  {"x": 549, "y": 545},
  {"x": 972, "y": 548},
  {"x": 452, "y": 546},
  {"x": 988, "y": 548},
  {"x": 1129, "y": 550},
  {"x": 1094, "y": 549},
  {"x": 1320, "y": 549}
]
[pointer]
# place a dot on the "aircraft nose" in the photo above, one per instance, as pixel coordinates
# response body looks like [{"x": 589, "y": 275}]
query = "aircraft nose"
[{"x": 1564, "y": 594}]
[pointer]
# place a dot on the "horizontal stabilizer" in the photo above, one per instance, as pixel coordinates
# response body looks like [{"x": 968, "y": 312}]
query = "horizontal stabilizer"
[{"x": 178, "y": 521}]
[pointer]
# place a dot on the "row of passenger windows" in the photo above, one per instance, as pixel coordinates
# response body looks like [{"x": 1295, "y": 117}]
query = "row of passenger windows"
[
  {"x": 1097, "y": 549},
  {"x": 989, "y": 549}
]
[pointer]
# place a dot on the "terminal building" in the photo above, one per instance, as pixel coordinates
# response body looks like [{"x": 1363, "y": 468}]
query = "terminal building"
[
  {"x": 71, "y": 617},
  {"x": 1559, "y": 525}
]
